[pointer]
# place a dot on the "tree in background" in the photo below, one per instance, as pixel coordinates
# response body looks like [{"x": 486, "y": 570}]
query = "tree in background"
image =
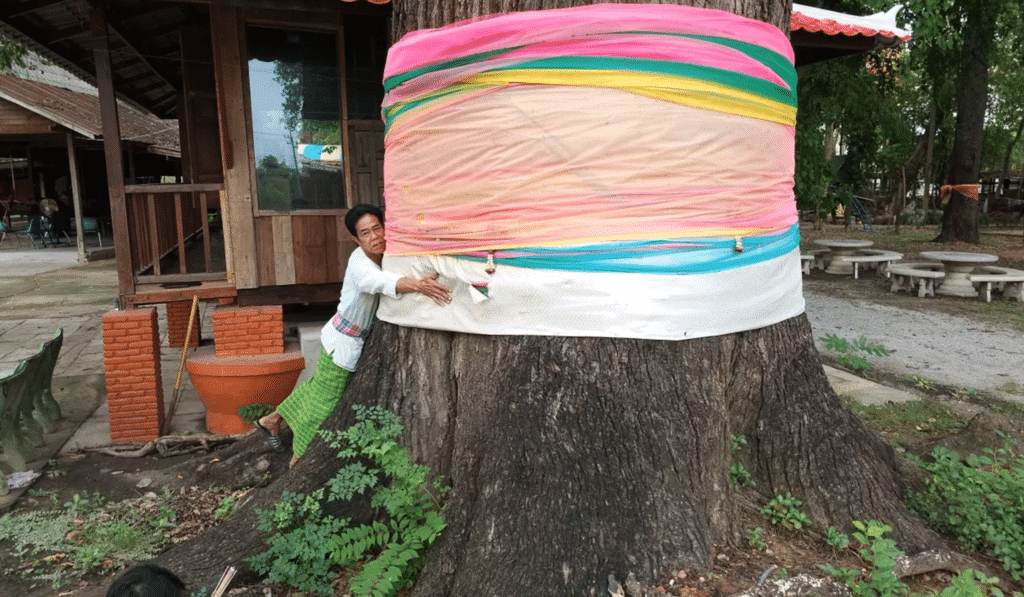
[
  {"x": 11, "y": 54},
  {"x": 1002, "y": 151},
  {"x": 932, "y": 115},
  {"x": 864, "y": 102},
  {"x": 971, "y": 30}
]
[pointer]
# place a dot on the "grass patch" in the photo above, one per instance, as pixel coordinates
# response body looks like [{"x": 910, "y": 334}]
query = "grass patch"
[
  {"x": 1012, "y": 387},
  {"x": 913, "y": 421},
  {"x": 1009, "y": 408},
  {"x": 1005, "y": 311}
]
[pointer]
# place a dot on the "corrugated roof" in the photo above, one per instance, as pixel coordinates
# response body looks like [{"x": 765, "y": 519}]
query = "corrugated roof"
[
  {"x": 80, "y": 113},
  {"x": 36, "y": 68}
]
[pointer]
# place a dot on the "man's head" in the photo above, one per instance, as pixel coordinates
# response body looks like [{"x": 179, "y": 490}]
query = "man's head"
[
  {"x": 147, "y": 580},
  {"x": 366, "y": 224}
]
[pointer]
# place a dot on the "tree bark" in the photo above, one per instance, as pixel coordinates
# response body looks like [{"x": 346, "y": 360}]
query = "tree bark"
[
  {"x": 927, "y": 199},
  {"x": 410, "y": 15},
  {"x": 960, "y": 220},
  {"x": 574, "y": 458}
]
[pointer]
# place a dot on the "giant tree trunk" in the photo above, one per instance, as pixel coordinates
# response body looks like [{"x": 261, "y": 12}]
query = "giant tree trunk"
[
  {"x": 575, "y": 458},
  {"x": 960, "y": 218}
]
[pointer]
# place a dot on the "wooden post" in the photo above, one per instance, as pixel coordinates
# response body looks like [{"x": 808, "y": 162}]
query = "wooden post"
[
  {"x": 112, "y": 149},
  {"x": 32, "y": 194},
  {"x": 237, "y": 199},
  {"x": 76, "y": 196}
]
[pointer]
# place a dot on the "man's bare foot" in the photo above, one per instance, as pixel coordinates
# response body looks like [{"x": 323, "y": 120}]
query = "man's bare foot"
[
  {"x": 270, "y": 427},
  {"x": 272, "y": 423},
  {"x": 293, "y": 461}
]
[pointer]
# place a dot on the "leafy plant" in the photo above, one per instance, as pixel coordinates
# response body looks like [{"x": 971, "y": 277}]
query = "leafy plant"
[
  {"x": 755, "y": 539},
  {"x": 971, "y": 583},
  {"x": 964, "y": 393},
  {"x": 784, "y": 510},
  {"x": 738, "y": 474},
  {"x": 923, "y": 383},
  {"x": 225, "y": 507},
  {"x": 848, "y": 351},
  {"x": 250, "y": 413},
  {"x": 878, "y": 578},
  {"x": 979, "y": 500},
  {"x": 836, "y": 539},
  {"x": 880, "y": 554},
  {"x": 307, "y": 543}
]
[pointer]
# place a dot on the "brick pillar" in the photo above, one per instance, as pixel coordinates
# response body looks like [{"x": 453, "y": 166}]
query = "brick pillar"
[
  {"x": 131, "y": 358},
  {"x": 177, "y": 324},
  {"x": 241, "y": 331}
]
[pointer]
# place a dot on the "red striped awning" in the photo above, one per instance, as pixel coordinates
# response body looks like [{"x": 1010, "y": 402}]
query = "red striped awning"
[{"x": 817, "y": 20}]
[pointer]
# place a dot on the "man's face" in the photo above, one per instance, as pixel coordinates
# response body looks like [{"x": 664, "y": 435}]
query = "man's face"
[{"x": 370, "y": 235}]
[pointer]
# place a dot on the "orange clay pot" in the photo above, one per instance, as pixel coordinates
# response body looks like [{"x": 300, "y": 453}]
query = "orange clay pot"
[{"x": 225, "y": 383}]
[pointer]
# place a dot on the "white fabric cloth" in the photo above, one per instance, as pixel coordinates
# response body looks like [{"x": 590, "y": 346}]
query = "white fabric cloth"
[
  {"x": 528, "y": 301},
  {"x": 342, "y": 336}
]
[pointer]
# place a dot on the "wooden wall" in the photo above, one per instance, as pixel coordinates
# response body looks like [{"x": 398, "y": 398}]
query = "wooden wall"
[
  {"x": 15, "y": 120},
  {"x": 279, "y": 249}
]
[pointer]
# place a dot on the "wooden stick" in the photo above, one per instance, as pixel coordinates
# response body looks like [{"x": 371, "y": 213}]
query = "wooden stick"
[
  {"x": 181, "y": 365},
  {"x": 225, "y": 580}
]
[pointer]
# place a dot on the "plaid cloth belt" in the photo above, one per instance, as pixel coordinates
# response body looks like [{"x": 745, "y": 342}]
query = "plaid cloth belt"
[{"x": 347, "y": 327}]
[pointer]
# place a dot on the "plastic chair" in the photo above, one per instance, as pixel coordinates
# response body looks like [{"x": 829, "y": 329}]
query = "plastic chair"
[
  {"x": 47, "y": 409},
  {"x": 37, "y": 230},
  {"x": 5, "y": 230},
  {"x": 29, "y": 388},
  {"x": 12, "y": 388},
  {"x": 92, "y": 226}
]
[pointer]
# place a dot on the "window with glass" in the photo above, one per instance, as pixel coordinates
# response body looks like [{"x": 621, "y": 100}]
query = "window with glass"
[{"x": 294, "y": 92}]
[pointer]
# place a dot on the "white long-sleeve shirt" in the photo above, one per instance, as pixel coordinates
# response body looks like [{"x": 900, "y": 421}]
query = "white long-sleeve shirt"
[{"x": 364, "y": 282}]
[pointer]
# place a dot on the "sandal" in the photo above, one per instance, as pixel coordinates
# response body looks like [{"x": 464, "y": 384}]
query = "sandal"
[{"x": 273, "y": 440}]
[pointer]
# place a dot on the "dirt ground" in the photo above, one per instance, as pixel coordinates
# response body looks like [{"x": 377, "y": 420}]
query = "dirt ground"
[{"x": 736, "y": 568}]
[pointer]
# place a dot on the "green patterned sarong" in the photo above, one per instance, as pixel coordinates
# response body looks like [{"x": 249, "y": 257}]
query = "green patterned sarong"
[{"x": 309, "y": 405}]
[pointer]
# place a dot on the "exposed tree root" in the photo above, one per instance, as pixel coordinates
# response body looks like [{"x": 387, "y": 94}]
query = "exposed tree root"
[{"x": 174, "y": 445}]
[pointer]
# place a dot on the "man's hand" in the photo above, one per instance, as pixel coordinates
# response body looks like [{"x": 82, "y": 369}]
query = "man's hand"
[{"x": 427, "y": 286}]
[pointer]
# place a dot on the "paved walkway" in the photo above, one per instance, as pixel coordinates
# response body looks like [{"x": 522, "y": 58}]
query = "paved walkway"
[{"x": 43, "y": 289}]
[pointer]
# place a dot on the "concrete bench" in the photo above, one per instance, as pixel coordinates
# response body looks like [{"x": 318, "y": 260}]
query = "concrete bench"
[
  {"x": 816, "y": 259},
  {"x": 1009, "y": 281},
  {"x": 874, "y": 258},
  {"x": 907, "y": 276}
]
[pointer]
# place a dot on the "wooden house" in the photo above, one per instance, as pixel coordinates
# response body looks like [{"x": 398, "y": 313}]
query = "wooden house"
[
  {"x": 279, "y": 109},
  {"x": 51, "y": 146}
]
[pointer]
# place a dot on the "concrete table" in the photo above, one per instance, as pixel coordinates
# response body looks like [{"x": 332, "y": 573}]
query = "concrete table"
[
  {"x": 840, "y": 249},
  {"x": 957, "y": 265}
]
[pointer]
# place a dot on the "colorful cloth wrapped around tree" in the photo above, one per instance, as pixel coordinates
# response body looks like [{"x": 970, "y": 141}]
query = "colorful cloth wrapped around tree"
[{"x": 608, "y": 170}]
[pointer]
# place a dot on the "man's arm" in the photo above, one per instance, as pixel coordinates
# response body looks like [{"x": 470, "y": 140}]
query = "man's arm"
[
  {"x": 371, "y": 279},
  {"x": 427, "y": 286}
]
